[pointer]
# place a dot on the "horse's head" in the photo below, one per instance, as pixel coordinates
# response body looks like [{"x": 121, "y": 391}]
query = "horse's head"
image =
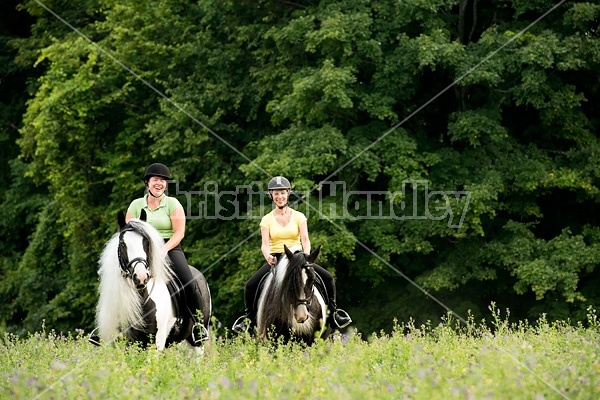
[
  {"x": 302, "y": 278},
  {"x": 134, "y": 254}
]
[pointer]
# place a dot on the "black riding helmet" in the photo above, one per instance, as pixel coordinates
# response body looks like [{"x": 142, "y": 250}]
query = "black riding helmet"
[{"x": 157, "y": 169}]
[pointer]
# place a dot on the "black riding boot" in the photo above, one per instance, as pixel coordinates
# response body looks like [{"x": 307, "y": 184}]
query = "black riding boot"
[
  {"x": 195, "y": 307},
  {"x": 338, "y": 318},
  {"x": 248, "y": 319}
]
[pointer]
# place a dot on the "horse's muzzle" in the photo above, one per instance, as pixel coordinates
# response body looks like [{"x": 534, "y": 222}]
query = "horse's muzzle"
[
  {"x": 140, "y": 276},
  {"x": 140, "y": 285},
  {"x": 301, "y": 313}
]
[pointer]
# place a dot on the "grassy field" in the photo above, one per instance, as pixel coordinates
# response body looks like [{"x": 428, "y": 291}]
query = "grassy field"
[{"x": 494, "y": 360}]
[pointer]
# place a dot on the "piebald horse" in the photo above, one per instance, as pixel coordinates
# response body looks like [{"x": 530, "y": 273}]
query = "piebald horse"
[
  {"x": 135, "y": 301},
  {"x": 290, "y": 306}
]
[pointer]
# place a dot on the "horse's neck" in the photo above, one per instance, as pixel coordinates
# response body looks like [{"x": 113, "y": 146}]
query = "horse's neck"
[{"x": 280, "y": 271}]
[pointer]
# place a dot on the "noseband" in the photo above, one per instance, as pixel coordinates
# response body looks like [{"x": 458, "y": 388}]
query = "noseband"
[
  {"x": 305, "y": 302},
  {"x": 128, "y": 266}
]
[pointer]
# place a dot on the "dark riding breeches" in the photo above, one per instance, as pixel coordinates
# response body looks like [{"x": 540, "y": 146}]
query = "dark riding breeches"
[
  {"x": 181, "y": 268},
  {"x": 328, "y": 282},
  {"x": 252, "y": 287}
]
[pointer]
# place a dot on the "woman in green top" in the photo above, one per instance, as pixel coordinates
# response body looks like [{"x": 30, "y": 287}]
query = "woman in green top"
[{"x": 166, "y": 215}]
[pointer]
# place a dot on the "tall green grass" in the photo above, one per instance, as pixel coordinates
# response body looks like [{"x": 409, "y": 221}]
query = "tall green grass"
[{"x": 484, "y": 360}]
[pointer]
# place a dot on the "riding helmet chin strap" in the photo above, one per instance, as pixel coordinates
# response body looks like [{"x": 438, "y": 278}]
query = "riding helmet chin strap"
[
  {"x": 150, "y": 191},
  {"x": 151, "y": 194}
]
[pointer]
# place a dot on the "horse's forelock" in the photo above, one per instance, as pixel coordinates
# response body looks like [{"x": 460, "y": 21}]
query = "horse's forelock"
[
  {"x": 159, "y": 263},
  {"x": 296, "y": 263},
  {"x": 294, "y": 276},
  {"x": 138, "y": 227}
]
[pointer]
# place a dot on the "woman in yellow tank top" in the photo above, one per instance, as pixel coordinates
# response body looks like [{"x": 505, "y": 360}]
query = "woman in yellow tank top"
[{"x": 284, "y": 226}]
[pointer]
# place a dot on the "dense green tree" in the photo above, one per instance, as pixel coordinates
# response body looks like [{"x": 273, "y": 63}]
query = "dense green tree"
[
  {"x": 20, "y": 198},
  {"x": 477, "y": 120}
]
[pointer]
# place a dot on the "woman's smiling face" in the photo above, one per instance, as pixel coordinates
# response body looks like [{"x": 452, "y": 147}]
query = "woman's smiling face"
[
  {"x": 157, "y": 185},
  {"x": 280, "y": 197}
]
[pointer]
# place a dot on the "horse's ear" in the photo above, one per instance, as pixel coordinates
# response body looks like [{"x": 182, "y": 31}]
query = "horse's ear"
[
  {"x": 143, "y": 215},
  {"x": 121, "y": 220},
  {"x": 288, "y": 252},
  {"x": 313, "y": 256}
]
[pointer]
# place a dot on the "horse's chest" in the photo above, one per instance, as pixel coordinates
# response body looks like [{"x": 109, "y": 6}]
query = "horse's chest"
[{"x": 149, "y": 310}]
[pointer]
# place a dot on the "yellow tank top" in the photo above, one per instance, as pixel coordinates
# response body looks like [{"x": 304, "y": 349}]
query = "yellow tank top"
[{"x": 280, "y": 235}]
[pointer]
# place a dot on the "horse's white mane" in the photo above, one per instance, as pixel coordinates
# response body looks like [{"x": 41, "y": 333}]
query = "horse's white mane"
[{"x": 119, "y": 304}]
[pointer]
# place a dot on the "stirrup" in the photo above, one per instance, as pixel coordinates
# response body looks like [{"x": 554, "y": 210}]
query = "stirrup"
[
  {"x": 94, "y": 339},
  {"x": 341, "y": 318},
  {"x": 202, "y": 334},
  {"x": 241, "y": 325}
]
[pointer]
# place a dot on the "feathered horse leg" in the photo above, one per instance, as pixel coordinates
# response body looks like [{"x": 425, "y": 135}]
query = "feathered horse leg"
[{"x": 165, "y": 319}]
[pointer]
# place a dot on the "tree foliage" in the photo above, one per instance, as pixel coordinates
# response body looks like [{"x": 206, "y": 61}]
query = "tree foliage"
[{"x": 444, "y": 105}]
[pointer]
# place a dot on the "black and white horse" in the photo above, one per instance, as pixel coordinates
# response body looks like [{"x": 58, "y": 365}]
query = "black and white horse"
[
  {"x": 135, "y": 300},
  {"x": 290, "y": 306}
]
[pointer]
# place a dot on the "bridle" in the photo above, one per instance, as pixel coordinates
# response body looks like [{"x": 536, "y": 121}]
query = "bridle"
[
  {"x": 306, "y": 301},
  {"x": 128, "y": 266}
]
